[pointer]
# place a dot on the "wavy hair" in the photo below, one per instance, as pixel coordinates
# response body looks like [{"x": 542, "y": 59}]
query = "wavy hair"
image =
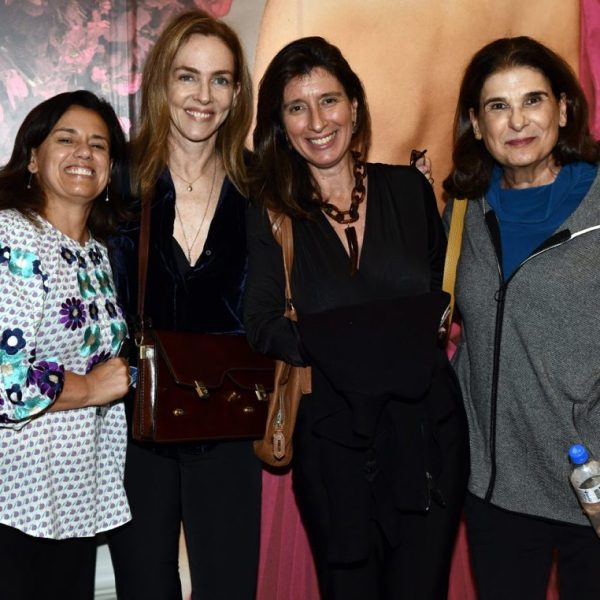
[
  {"x": 22, "y": 192},
  {"x": 472, "y": 163},
  {"x": 150, "y": 147},
  {"x": 281, "y": 178}
]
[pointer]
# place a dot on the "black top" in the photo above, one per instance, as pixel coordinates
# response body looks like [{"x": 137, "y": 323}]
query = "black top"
[
  {"x": 206, "y": 297},
  {"x": 402, "y": 254},
  {"x": 381, "y": 383}
]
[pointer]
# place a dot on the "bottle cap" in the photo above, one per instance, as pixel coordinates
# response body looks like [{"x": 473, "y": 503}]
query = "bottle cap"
[{"x": 578, "y": 454}]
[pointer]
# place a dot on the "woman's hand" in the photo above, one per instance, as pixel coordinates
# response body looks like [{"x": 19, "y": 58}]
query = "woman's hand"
[
  {"x": 424, "y": 165},
  {"x": 106, "y": 383}
]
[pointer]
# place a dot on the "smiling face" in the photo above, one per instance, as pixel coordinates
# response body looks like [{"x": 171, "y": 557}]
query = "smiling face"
[
  {"x": 73, "y": 164},
  {"x": 318, "y": 118},
  {"x": 201, "y": 89},
  {"x": 518, "y": 120}
]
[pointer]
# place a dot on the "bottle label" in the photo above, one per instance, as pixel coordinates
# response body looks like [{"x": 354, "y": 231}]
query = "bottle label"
[{"x": 589, "y": 495}]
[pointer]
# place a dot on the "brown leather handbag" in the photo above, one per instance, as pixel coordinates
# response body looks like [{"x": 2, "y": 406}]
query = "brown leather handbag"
[
  {"x": 291, "y": 382},
  {"x": 195, "y": 386}
]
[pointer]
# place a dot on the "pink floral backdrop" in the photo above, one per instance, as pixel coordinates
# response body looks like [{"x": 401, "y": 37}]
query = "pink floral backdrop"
[{"x": 49, "y": 46}]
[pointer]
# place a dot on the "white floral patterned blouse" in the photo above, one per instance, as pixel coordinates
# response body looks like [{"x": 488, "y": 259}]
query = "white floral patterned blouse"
[{"x": 61, "y": 473}]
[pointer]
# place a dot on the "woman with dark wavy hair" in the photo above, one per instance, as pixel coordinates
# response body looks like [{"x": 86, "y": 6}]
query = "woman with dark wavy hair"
[
  {"x": 527, "y": 285},
  {"x": 62, "y": 431},
  {"x": 379, "y": 466},
  {"x": 189, "y": 166}
]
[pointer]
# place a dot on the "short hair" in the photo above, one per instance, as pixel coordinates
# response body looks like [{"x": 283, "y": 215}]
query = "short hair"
[
  {"x": 472, "y": 163},
  {"x": 22, "y": 192},
  {"x": 150, "y": 148},
  {"x": 290, "y": 187}
]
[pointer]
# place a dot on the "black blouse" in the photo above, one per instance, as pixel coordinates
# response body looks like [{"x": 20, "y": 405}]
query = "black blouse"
[
  {"x": 402, "y": 254},
  {"x": 207, "y": 297}
]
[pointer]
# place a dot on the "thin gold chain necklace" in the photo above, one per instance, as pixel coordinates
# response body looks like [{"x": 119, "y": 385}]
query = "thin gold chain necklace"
[
  {"x": 188, "y": 246},
  {"x": 190, "y": 184}
]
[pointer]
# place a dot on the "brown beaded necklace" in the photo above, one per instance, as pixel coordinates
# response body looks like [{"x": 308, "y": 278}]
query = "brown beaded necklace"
[{"x": 346, "y": 217}]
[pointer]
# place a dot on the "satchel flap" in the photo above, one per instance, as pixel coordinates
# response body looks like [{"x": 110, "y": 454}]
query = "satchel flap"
[{"x": 210, "y": 358}]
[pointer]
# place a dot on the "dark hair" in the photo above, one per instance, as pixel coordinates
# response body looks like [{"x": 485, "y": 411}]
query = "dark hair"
[
  {"x": 472, "y": 163},
  {"x": 150, "y": 147},
  {"x": 282, "y": 180},
  {"x": 15, "y": 176}
]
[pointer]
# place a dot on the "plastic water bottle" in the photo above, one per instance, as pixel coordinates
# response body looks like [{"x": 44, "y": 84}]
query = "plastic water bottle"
[{"x": 585, "y": 478}]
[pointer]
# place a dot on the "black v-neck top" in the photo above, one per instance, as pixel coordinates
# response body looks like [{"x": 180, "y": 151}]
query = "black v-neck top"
[
  {"x": 204, "y": 297},
  {"x": 402, "y": 254}
]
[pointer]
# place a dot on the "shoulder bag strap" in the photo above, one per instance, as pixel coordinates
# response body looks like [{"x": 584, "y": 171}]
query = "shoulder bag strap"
[
  {"x": 457, "y": 221},
  {"x": 143, "y": 249},
  {"x": 281, "y": 225}
]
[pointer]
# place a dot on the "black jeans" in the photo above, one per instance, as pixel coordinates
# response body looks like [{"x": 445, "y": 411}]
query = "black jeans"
[
  {"x": 512, "y": 554},
  {"x": 215, "y": 490},
  {"x": 35, "y": 568}
]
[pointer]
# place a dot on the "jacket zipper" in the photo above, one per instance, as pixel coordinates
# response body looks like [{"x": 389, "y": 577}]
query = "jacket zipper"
[{"x": 552, "y": 242}]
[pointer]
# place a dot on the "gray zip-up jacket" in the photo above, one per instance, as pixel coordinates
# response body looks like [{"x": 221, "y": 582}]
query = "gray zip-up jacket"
[{"x": 529, "y": 360}]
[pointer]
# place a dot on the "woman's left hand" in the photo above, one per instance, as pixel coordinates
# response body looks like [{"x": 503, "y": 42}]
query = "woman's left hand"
[{"x": 424, "y": 165}]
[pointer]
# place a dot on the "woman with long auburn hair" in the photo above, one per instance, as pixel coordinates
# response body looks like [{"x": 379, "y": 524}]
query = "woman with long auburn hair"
[{"x": 188, "y": 164}]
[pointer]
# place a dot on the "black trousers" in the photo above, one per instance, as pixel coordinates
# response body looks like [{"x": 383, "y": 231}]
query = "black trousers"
[
  {"x": 215, "y": 490},
  {"x": 416, "y": 569},
  {"x": 512, "y": 554},
  {"x": 35, "y": 568}
]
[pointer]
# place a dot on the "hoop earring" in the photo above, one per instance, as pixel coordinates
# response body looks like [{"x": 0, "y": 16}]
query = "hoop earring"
[{"x": 29, "y": 180}]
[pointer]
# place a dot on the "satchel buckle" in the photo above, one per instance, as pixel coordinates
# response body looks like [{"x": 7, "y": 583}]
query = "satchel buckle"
[
  {"x": 201, "y": 390},
  {"x": 260, "y": 392}
]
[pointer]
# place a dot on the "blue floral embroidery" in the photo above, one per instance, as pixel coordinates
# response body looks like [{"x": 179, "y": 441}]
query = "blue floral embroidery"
[
  {"x": 12, "y": 368},
  {"x": 22, "y": 262},
  {"x": 91, "y": 340},
  {"x": 93, "y": 310},
  {"x": 85, "y": 285},
  {"x": 31, "y": 406},
  {"x": 4, "y": 254},
  {"x": 73, "y": 314},
  {"x": 37, "y": 270},
  {"x": 12, "y": 341},
  {"x": 104, "y": 283},
  {"x": 14, "y": 395},
  {"x": 81, "y": 260},
  {"x": 48, "y": 376},
  {"x": 68, "y": 255},
  {"x": 96, "y": 360},
  {"x": 111, "y": 310},
  {"x": 95, "y": 256},
  {"x": 119, "y": 331}
]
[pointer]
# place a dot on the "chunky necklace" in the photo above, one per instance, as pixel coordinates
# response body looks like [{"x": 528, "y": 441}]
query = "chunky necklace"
[
  {"x": 346, "y": 217},
  {"x": 188, "y": 246}
]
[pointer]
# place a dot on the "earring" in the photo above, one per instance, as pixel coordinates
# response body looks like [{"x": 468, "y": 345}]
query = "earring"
[
  {"x": 107, "y": 198},
  {"x": 477, "y": 133},
  {"x": 29, "y": 180}
]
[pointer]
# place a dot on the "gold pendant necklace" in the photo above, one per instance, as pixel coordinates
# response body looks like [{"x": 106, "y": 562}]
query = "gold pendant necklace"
[
  {"x": 190, "y": 184},
  {"x": 188, "y": 246}
]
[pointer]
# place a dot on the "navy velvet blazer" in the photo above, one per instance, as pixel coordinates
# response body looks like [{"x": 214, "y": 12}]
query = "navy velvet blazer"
[{"x": 204, "y": 298}]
